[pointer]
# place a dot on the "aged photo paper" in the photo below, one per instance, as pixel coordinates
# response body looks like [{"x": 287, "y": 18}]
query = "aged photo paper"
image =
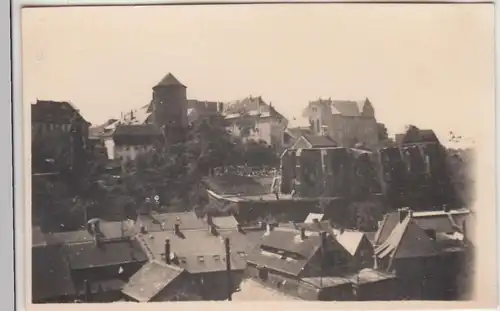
[{"x": 295, "y": 155}]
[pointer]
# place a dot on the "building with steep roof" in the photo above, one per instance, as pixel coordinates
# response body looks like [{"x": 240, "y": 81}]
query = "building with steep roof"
[
  {"x": 348, "y": 122},
  {"x": 157, "y": 281},
  {"x": 315, "y": 264},
  {"x": 252, "y": 118},
  {"x": 314, "y": 141},
  {"x": 427, "y": 251}
]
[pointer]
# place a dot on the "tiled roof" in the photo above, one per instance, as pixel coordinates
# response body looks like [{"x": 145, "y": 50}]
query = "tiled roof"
[
  {"x": 289, "y": 241},
  {"x": 89, "y": 255},
  {"x": 51, "y": 275},
  {"x": 253, "y": 291},
  {"x": 406, "y": 240},
  {"x": 348, "y": 108},
  {"x": 54, "y": 111},
  {"x": 198, "y": 251},
  {"x": 225, "y": 222},
  {"x": 110, "y": 230},
  {"x": 312, "y": 216},
  {"x": 440, "y": 221},
  {"x": 318, "y": 141},
  {"x": 252, "y": 106},
  {"x": 152, "y": 278},
  {"x": 350, "y": 240},
  {"x": 416, "y": 135},
  {"x": 166, "y": 221},
  {"x": 169, "y": 80}
]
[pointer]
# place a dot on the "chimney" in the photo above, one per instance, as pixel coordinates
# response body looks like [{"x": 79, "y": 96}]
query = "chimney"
[
  {"x": 143, "y": 229},
  {"x": 446, "y": 208},
  {"x": 302, "y": 233},
  {"x": 316, "y": 220},
  {"x": 212, "y": 229},
  {"x": 210, "y": 220},
  {"x": 403, "y": 213},
  {"x": 269, "y": 228},
  {"x": 167, "y": 251},
  {"x": 87, "y": 290},
  {"x": 464, "y": 231},
  {"x": 177, "y": 229},
  {"x": 263, "y": 225},
  {"x": 240, "y": 229}
]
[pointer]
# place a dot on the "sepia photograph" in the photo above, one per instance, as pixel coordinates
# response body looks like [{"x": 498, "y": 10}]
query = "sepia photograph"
[{"x": 299, "y": 152}]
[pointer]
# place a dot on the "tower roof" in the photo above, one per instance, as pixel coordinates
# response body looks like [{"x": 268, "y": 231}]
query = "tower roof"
[{"x": 169, "y": 80}]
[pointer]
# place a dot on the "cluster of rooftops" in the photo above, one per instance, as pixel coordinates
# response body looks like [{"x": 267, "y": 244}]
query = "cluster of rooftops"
[{"x": 166, "y": 246}]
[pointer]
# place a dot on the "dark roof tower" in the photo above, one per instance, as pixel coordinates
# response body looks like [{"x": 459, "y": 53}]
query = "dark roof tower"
[{"x": 169, "y": 80}]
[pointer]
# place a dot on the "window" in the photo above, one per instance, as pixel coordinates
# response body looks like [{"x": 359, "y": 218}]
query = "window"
[
  {"x": 216, "y": 257},
  {"x": 201, "y": 259}
]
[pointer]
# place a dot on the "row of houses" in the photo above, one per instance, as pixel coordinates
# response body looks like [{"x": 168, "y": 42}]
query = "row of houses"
[
  {"x": 332, "y": 122},
  {"x": 252, "y": 118},
  {"x": 180, "y": 256}
]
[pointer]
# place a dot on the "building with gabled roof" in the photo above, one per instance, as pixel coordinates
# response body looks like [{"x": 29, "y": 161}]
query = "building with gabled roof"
[
  {"x": 347, "y": 122},
  {"x": 312, "y": 263},
  {"x": 158, "y": 281},
  {"x": 198, "y": 247},
  {"x": 314, "y": 141},
  {"x": 427, "y": 261},
  {"x": 252, "y": 118}
]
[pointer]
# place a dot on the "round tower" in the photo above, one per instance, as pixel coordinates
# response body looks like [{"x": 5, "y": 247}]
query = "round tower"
[{"x": 170, "y": 105}]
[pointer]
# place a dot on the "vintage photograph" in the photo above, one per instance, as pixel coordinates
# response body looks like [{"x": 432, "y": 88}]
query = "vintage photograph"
[{"x": 314, "y": 152}]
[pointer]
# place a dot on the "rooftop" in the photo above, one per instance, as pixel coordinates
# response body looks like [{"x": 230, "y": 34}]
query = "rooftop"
[
  {"x": 89, "y": 255},
  {"x": 169, "y": 80},
  {"x": 200, "y": 251},
  {"x": 152, "y": 278}
]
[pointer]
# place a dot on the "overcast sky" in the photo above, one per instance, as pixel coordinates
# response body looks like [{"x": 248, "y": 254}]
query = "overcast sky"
[{"x": 428, "y": 65}]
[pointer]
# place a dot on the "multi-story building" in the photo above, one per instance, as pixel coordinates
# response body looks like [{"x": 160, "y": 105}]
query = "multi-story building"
[
  {"x": 59, "y": 136},
  {"x": 49, "y": 116},
  {"x": 254, "y": 119},
  {"x": 347, "y": 122},
  {"x": 166, "y": 115}
]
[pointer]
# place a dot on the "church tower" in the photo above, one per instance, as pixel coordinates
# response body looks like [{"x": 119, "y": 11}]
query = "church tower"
[{"x": 170, "y": 106}]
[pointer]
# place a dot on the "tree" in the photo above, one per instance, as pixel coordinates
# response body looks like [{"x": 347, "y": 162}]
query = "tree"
[
  {"x": 246, "y": 123},
  {"x": 174, "y": 172},
  {"x": 382, "y": 132}
]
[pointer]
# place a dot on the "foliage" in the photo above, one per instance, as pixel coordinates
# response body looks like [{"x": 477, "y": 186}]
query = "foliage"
[
  {"x": 245, "y": 123},
  {"x": 460, "y": 166},
  {"x": 382, "y": 132}
]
